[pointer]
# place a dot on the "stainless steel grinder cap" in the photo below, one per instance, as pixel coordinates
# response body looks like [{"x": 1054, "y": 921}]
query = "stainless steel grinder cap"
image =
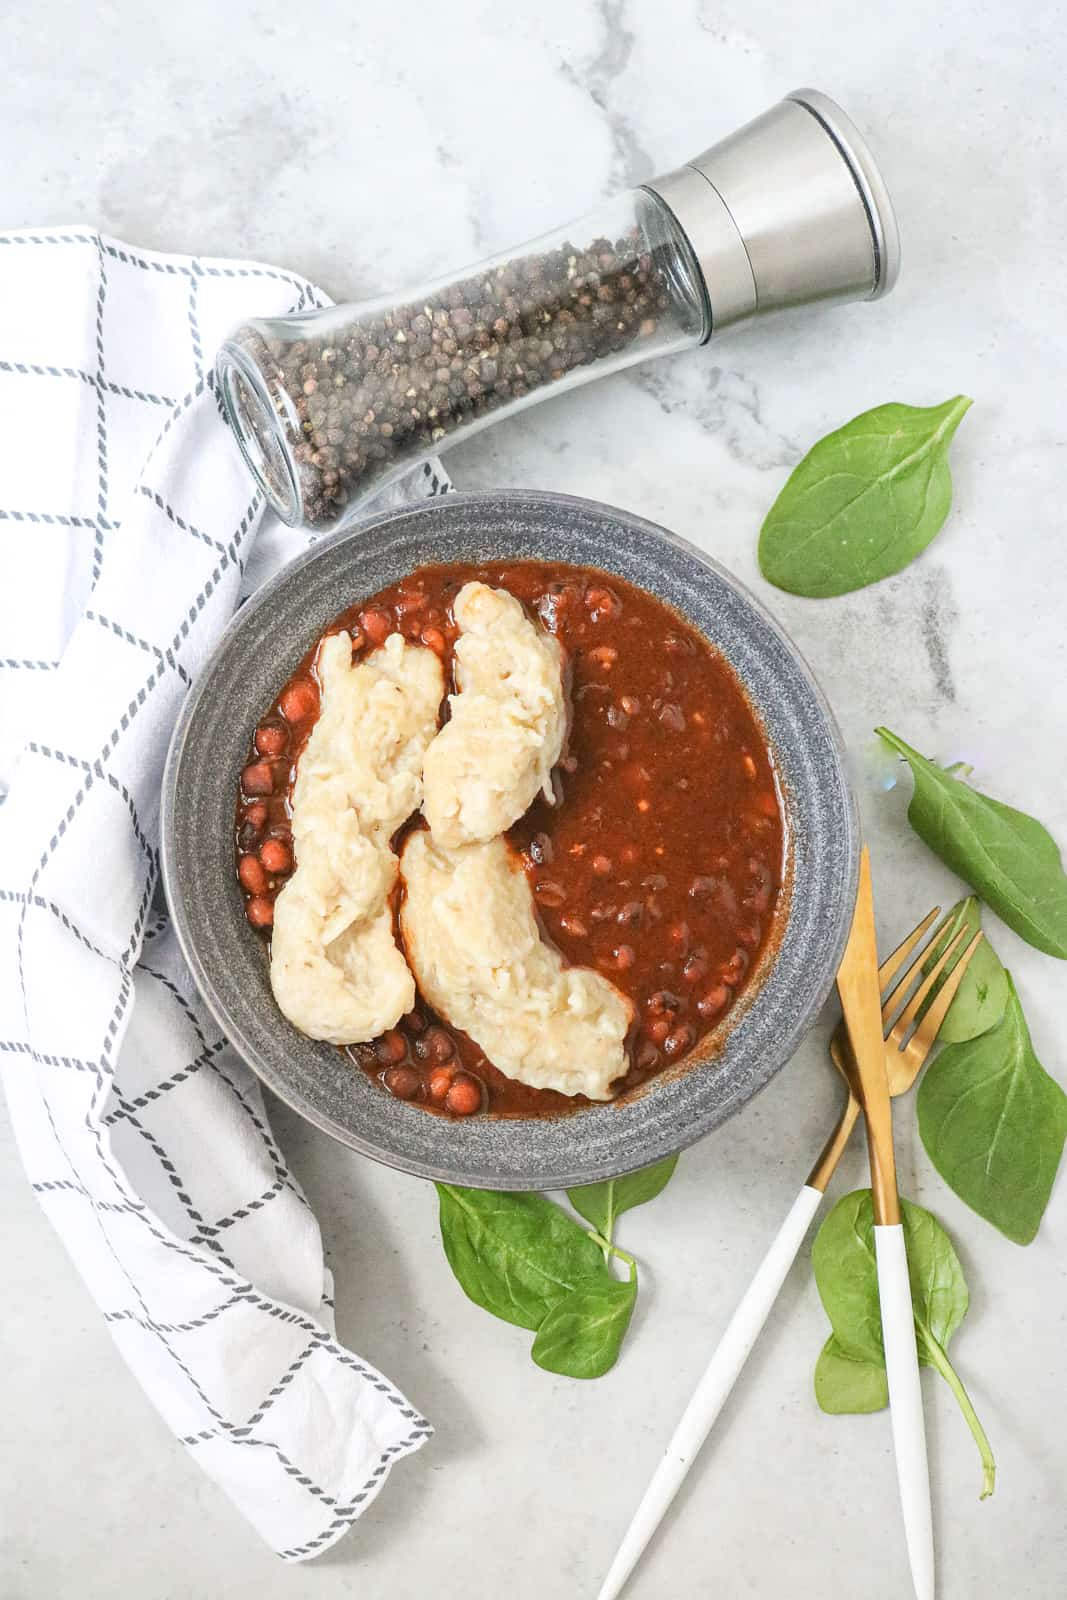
[{"x": 788, "y": 210}]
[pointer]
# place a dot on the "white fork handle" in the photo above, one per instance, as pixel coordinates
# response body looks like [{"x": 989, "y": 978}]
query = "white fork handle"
[
  {"x": 906, "y": 1404},
  {"x": 711, "y": 1392}
]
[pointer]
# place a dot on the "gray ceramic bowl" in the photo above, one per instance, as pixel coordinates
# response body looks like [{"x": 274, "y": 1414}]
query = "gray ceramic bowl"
[{"x": 258, "y": 652}]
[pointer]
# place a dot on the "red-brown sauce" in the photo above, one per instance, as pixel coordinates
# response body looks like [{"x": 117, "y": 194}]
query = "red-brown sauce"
[{"x": 661, "y": 863}]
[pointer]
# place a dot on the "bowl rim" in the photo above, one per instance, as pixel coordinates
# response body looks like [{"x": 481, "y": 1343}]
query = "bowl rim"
[{"x": 684, "y": 1137}]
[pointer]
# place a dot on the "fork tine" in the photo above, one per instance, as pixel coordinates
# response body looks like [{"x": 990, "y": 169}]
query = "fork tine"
[
  {"x": 910, "y": 1011},
  {"x": 930, "y": 1025},
  {"x": 896, "y": 998},
  {"x": 891, "y": 965}
]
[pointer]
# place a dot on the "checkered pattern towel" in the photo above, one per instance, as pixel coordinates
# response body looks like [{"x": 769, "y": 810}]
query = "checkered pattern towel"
[{"x": 131, "y": 532}]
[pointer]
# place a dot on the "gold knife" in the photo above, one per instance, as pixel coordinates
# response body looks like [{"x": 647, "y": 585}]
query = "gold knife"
[{"x": 857, "y": 984}]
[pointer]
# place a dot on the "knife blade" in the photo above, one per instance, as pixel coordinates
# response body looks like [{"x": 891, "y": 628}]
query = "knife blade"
[{"x": 861, "y": 1002}]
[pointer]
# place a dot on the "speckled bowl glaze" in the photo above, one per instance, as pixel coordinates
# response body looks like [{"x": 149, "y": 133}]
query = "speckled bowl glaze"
[{"x": 258, "y": 652}]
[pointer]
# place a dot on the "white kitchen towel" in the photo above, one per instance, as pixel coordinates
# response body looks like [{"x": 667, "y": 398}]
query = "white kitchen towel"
[{"x": 131, "y": 532}]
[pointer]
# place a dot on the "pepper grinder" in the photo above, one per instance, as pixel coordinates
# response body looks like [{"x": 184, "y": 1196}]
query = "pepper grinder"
[{"x": 329, "y": 406}]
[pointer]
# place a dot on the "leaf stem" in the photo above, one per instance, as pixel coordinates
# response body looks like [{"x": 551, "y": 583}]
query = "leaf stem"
[
  {"x": 609, "y": 1231},
  {"x": 940, "y": 1360},
  {"x": 613, "y": 1249}
]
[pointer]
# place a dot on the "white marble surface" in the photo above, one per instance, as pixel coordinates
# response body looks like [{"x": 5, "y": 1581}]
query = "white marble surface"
[{"x": 366, "y": 145}]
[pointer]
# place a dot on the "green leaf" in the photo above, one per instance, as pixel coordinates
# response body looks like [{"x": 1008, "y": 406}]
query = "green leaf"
[
  {"x": 1008, "y": 857},
  {"x": 994, "y": 1123},
  {"x": 938, "y": 1287},
  {"x": 864, "y": 501},
  {"x": 846, "y": 1276},
  {"x": 583, "y": 1333},
  {"x": 843, "y": 1384},
  {"x": 515, "y": 1254},
  {"x": 850, "y": 1373},
  {"x": 843, "y": 1260},
  {"x": 979, "y": 1002},
  {"x": 601, "y": 1203},
  {"x": 525, "y": 1260}
]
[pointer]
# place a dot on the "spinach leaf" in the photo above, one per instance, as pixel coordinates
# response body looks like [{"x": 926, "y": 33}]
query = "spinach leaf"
[
  {"x": 525, "y": 1260},
  {"x": 842, "y": 1258},
  {"x": 850, "y": 1374},
  {"x": 845, "y": 1384},
  {"x": 1007, "y": 856},
  {"x": 601, "y": 1203},
  {"x": 583, "y": 1333},
  {"x": 994, "y": 1123},
  {"x": 515, "y": 1254},
  {"x": 979, "y": 1002},
  {"x": 864, "y": 501}
]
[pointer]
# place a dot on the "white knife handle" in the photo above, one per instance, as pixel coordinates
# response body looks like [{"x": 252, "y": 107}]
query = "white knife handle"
[
  {"x": 906, "y": 1404},
  {"x": 719, "y": 1378}
]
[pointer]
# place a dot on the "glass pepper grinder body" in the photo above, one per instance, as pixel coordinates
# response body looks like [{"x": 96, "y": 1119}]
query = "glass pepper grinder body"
[{"x": 329, "y": 406}]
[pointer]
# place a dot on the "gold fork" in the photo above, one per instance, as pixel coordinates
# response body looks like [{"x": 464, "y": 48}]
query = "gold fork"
[
  {"x": 907, "y": 1044},
  {"x": 905, "y": 1048}
]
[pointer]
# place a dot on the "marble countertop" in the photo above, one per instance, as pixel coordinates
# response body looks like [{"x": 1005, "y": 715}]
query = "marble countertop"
[{"x": 368, "y": 147}]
